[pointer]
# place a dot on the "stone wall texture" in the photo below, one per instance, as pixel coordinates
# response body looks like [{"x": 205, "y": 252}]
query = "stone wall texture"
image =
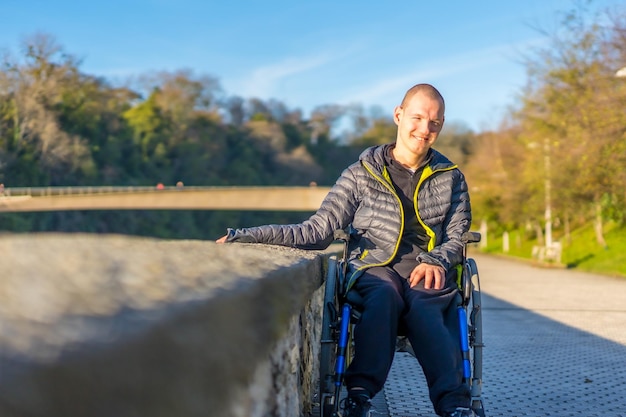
[{"x": 97, "y": 326}]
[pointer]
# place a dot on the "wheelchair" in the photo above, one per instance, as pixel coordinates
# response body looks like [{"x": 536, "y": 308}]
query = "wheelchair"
[{"x": 340, "y": 315}]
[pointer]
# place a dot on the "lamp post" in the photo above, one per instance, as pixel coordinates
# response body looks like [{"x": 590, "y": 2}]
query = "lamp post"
[{"x": 548, "y": 197}]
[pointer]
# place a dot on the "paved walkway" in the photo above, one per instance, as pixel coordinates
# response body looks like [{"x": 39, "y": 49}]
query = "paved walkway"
[{"x": 555, "y": 346}]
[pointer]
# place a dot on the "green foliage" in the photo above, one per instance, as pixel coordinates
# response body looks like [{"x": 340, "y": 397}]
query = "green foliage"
[
  {"x": 584, "y": 253},
  {"x": 564, "y": 142},
  {"x": 457, "y": 142},
  {"x": 59, "y": 126},
  {"x": 580, "y": 249},
  {"x": 381, "y": 131},
  {"x": 563, "y": 148}
]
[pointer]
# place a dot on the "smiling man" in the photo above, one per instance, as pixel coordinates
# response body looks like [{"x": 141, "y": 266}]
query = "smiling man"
[{"x": 406, "y": 207}]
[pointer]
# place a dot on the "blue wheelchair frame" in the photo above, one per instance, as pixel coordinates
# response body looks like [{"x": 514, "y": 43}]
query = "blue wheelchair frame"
[{"x": 339, "y": 316}]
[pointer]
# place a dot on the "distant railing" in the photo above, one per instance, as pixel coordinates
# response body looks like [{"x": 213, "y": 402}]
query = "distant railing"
[
  {"x": 106, "y": 189},
  {"x": 160, "y": 197}
]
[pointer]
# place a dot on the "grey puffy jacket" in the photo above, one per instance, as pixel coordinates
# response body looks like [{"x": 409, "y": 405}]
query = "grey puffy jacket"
[{"x": 364, "y": 198}]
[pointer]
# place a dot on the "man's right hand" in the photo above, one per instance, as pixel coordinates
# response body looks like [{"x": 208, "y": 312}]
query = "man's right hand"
[
  {"x": 434, "y": 276},
  {"x": 222, "y": 239}
]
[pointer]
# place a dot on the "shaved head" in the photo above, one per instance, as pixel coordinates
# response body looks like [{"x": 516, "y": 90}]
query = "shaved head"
[{"x": 426, "y": 89}]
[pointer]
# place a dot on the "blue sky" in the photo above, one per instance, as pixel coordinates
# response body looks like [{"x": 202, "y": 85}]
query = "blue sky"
[{"x": 308, "y": 53}]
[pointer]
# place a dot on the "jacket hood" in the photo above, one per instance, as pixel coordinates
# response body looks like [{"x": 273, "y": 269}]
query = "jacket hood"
[{"x": 375, "y": 156}]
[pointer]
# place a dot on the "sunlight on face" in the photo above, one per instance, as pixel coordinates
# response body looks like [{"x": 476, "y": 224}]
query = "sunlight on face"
[{"x": 419, "y": 122}]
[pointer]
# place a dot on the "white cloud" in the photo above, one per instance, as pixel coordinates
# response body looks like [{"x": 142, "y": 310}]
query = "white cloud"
[
  {"x": 263, "y": 82},
  {"x": 436, "y": 70}
]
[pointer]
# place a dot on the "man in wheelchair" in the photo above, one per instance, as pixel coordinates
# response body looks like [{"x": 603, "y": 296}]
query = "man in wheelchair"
[{"x": 408, "y": 207}]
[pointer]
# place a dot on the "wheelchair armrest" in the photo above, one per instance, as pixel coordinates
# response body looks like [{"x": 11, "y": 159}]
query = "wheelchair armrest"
[
  {"x": 470, "y": 237},
  {"x": 341, "y": 235}
]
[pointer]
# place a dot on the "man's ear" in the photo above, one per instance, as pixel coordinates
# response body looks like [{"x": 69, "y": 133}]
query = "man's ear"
[{"x": 397, "y": 112}]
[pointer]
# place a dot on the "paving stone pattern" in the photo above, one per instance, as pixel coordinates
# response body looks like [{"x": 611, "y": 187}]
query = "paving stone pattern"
[{"x": 555, "y": 346}]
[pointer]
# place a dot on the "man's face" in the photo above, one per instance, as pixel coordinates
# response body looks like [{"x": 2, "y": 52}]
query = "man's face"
[{"x": 419, "y": 122}]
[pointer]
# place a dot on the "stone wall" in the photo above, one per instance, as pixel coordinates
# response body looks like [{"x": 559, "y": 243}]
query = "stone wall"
[{"x": 120, "y": 326}]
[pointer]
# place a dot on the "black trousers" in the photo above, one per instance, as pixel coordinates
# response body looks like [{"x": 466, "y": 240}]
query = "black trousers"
[{"x": 430, "y": 321}]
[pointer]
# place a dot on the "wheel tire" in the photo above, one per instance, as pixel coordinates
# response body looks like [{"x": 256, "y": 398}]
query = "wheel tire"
[
  {"x": 328, "y": 349},
  {"x": 476, "y": 345}
]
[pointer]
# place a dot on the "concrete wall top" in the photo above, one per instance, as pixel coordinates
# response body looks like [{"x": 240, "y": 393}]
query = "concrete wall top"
[{"x": 139, "y": 315}]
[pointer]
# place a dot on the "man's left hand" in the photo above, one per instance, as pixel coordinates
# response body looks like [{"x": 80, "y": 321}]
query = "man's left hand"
[{"x": 434, "y": 276}]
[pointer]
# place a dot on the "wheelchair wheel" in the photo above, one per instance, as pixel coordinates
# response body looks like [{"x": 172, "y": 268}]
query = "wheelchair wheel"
[
  {"x": 328, "y": 342},
  {"x": 475, "y": 327}
]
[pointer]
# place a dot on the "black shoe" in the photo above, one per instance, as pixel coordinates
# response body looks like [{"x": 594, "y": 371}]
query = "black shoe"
[
  {"x": 356, "y": 405},
  {"x": 460, "y": 412}
]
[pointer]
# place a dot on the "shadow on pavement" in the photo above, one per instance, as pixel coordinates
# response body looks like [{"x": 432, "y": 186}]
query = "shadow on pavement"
[{"x": 533, "y": 366}]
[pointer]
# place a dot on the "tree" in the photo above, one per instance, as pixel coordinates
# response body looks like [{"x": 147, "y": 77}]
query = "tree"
[
  {"x": 499, "y": 190},
  {"x": 570, "y": 105},
  {"x": 322, "y": 120},
  {"x": 33, "y": 95},
  {"x": 456, "y": 141}
]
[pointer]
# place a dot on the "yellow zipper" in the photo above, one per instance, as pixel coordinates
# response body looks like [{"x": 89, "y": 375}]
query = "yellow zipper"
[
  {"x": 386, "y": 181},
  {"x": 427, "y": 172}
]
